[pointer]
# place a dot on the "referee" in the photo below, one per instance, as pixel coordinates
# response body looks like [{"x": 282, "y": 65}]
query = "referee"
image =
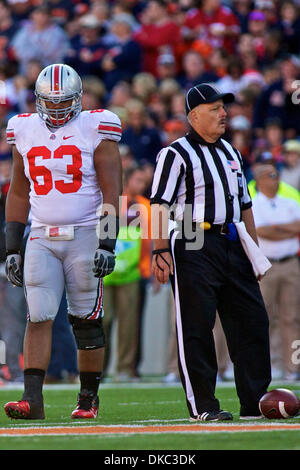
[{"x": 203, "y": 175}]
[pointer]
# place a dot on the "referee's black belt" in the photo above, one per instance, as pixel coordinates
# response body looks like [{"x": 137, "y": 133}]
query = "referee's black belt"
[
  {"x": 282, "y": 260},
  {"x": 221, "y": 229}
]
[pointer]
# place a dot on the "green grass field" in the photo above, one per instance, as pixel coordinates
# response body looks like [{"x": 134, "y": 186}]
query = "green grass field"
[{"x": 140, "y": 406}]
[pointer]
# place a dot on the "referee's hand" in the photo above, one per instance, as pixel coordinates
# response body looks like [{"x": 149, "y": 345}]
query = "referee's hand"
[{"x": 162, "y": 267}]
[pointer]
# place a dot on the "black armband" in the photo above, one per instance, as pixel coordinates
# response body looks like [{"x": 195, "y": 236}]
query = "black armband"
[
  {"x": 14, "y": 236},
  {"x": 109, "y": 230}
]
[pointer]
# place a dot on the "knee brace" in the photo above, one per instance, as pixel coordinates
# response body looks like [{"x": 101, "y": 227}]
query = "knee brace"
[{"x": 89, "y": 334}]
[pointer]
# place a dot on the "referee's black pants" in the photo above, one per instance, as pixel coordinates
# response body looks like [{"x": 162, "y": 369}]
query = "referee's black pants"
[{"x": 219, "y": 277}]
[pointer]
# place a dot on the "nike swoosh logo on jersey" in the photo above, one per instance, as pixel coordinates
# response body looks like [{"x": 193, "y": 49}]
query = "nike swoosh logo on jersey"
[
  {"x": 67, "y": 137},
  {"x": 34, "y": 238}
]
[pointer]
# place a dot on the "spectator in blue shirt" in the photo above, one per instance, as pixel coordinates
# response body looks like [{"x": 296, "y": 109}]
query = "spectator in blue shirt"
[
  {"x": 7, "y": 25},
  {"x": 278, "y": 101},
  {"x": 123, "y": 60},
  {"x": 289, "y": 26},
  {"x": 144, "y": 142},
  {"x": 39, "y": 38},
  {"x": 87, "y": 48}
]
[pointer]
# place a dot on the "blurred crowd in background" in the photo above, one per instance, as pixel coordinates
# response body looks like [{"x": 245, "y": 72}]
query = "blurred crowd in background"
[{"x": 138, "y": 58}]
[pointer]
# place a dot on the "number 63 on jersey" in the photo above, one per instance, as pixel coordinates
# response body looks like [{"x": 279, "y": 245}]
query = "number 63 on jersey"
[{"x": 41, "y": 175}]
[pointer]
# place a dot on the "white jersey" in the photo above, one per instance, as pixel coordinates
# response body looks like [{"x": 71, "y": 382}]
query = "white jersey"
[{"x": 60, "y": 165}]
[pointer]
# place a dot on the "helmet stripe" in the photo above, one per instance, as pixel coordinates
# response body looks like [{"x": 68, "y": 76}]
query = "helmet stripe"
[
  {"x": 61, "y": 77},
  {"x": 56, "y": 78},
  {"x": 51, "y": 80}
]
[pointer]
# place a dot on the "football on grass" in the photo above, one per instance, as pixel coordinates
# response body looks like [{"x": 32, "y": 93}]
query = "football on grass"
[{"x": 279, "y": 403}]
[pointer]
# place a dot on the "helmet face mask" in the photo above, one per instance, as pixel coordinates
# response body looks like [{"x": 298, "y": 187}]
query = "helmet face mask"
[{"x": 56, "y": 84}]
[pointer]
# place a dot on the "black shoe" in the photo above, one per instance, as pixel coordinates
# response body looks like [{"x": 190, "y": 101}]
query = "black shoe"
[
  {"x": 250, "y": 413},
  {"x": 213, "y": 416}
]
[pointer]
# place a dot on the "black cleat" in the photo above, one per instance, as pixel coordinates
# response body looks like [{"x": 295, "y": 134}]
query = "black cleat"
[{"x": 213, "y": 416}]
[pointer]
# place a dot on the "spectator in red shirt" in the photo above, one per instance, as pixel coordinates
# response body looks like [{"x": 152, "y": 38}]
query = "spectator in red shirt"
[
  {"x": 157, "y": 34},
  {"x": 215, "y": 23}
]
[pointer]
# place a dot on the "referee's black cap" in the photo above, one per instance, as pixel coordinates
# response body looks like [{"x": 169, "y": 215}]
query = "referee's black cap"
[{"x": 205, "y": 93}]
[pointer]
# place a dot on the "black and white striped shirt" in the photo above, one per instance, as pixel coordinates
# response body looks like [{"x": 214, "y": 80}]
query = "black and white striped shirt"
[{"x": 207, "y": 178}]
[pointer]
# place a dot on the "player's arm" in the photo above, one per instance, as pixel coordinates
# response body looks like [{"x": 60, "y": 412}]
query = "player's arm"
[
  {"x": 107, "y": 162},
  {"x": 16, "y": 214},
  {"x": 169, "y": 167},
  {"x": 108, "y": 168},
  {"x": 17, "y": 202}
]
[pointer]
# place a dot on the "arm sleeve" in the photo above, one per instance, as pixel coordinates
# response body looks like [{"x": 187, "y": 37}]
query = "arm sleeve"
[{"x": 167, "y": 177}]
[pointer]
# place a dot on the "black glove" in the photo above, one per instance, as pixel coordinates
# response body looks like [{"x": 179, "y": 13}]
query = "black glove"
[
  {"x": 14, "y": 269},
  {"x": 104, "y": 261}
]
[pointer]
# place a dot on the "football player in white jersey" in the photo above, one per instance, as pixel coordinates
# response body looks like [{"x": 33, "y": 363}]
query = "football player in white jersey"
[{"x": 67, "y": 172}]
